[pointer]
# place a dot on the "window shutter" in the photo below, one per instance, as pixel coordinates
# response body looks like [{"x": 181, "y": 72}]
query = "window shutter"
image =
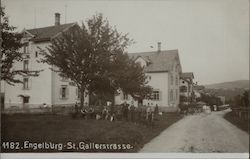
[
  {"x": 60, "y": 93},
  {"x": 160, "y": 95},
  {"x": 29, "y": 83},
  {"x": 67, "y": 92}
]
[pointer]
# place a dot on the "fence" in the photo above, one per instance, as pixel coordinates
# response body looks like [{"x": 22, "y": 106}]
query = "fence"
[
  {"x": 241, "y": 112},
  {"x": 64, "y": 110}
]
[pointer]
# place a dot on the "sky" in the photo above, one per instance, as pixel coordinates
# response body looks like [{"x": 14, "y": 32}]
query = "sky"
[{"x": 212, "y": 36}]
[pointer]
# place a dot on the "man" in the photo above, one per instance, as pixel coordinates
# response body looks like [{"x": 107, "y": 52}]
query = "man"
[{"x": 132, "y": 112}]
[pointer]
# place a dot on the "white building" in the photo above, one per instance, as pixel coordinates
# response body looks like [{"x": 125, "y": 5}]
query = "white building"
[
  {"x": 48, "y": 87},
  {"x": 163, "y": 69},
  {"x": 187, "y": 87}
]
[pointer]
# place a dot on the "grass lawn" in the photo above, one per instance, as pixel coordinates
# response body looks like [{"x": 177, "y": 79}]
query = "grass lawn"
[
  {"x": 64, "y": 129},
  {"x": 242, "y": 124}
]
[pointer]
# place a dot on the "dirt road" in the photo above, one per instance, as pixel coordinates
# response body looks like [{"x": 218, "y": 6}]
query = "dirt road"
[{"x": 201, "y": 133}]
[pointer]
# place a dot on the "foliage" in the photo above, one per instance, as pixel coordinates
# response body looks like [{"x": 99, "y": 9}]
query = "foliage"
[
  {"x": 11, "y": 45},
  {"x": 93, "y": 57},
  {"x": 240, "y": 100},
  {"x": 209, "y": 99}
]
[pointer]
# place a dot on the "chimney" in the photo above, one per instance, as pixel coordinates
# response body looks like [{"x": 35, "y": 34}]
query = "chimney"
[
  {"x": 159, "y": 47},
  {"x": 57, "y": 19}
]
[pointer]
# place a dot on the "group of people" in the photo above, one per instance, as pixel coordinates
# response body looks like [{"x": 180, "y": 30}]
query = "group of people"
[{"x": 124, "y": 112}]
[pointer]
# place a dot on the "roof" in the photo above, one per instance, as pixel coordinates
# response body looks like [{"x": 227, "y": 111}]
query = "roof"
[
  {"x": 46, "y": 33},
  {"x": 187, "y": 75},
  {"x": 158, "y": 61}
]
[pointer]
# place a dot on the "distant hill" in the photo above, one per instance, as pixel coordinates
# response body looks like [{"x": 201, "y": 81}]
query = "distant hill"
[{"x": 240, "y": 84}]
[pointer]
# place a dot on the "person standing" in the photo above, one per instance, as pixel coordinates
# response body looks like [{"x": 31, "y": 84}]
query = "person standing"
[
  {"x": 148, "y": 111},
  {"x": 132, "y": 112}
]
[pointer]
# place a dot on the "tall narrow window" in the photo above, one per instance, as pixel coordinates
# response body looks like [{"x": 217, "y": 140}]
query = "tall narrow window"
[
  {"x": 64, "y": 92},
  {"x": 78, "y": 93},
  {"x": 125, "y": 96},
  {"x": 171, "y": 95},
  {"x": 25, "y": 48},
  {"x": 155, "y": 95},
  {"x": 172, "y": 80},
  {"x": 176, "y": 80},
  {"x": 25, "y": 65},
  {"x": 183, "y": 89},
  {"x": 177, "y": 94},
  {"x": 25, "y": 83}
]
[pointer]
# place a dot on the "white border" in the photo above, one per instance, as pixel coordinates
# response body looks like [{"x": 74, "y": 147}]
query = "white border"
[{"x": 123, "y": 155}]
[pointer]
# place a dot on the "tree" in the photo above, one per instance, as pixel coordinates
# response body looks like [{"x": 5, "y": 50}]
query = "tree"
[
  {"x": 130, "y": 77},
  {"x": 85, "y": 54},
  {"x": 10, "y": 53},
  {"x": 245, "y": 99}
]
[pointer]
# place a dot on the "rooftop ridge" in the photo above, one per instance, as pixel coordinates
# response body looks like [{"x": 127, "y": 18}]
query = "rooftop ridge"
[
  {"x": 52, "y": 26},
  {"x": 153, "y": 51}
]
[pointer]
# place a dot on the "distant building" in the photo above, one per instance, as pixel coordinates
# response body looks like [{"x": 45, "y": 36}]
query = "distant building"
[
  {"x": 48, "y": 87},
  {"x": 187, "y": 87},
  {"x": 163, "y": 69},
  {"x": 223, "y": 99}
]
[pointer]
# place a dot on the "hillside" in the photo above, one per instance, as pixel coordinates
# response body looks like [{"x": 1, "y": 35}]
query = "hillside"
[{"x": 240, "y": 84}]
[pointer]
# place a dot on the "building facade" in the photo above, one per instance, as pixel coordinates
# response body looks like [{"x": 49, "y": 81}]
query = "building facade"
[
  {"x": 163, "y": 70},
  {"x": 48, "y": 88},
  {"x": 187, "y": 94}
]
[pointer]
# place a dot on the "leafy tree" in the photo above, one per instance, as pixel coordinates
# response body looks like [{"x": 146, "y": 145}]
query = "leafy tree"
[
  {"x": 130, "y": 77},
  {"x": 210, "y": 99},
  {"x": 11, "y": 54},
  {"x": 86, "y": 55},
  {"x": 245, "y": 99}
]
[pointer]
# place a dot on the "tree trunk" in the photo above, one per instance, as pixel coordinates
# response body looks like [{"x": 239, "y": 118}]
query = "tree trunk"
[{"x": 82, "y": 98}]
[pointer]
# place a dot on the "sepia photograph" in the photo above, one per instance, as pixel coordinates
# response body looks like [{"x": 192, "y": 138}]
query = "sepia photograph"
[{"x": 124, "y": 79}]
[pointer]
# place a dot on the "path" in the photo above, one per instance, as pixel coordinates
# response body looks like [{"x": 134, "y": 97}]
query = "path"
[{"x": 200, "y": 133}]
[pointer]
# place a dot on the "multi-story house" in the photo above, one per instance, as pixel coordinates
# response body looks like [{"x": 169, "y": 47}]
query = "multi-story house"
[
  {"x": 187, "y": 87},
  {"x": 163, "y": 69},
  {"x": 48, "y": 87}
]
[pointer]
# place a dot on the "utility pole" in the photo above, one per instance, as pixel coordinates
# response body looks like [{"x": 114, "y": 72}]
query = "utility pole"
[{"x": 65, "y": 13}]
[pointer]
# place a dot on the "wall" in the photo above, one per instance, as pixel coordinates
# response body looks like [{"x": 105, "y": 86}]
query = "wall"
[
  {"x": 120, "y": 100},
  {"x": 39, "y": 87},
  {"x": 72, "y": 93},
  {"x": 158, "y": 81}
]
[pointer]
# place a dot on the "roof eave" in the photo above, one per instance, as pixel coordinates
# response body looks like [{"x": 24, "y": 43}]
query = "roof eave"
[{"x": 157, "y": 71}]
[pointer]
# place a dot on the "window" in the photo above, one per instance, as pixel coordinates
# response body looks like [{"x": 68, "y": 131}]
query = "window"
[
  {"x": 125, "y": 96},
  {"x": 25, "y": 83},
  {"x": 36, "y": 54},
  {"x": 155, "y": 95},
  {"x": 172, "y": 80},
  {"x": 176, "y": 80},
  {"x": 78, "y": 93},
  {"x": 171, "y": 95},
  {"x": 177, "y": 94},
  {"x": 26, "y": 99},
  {"x": 25, "y": 48},
  {"x": 64, "y": 92},
  {"x": 25, "y": 65},
  {"x": 183, "y": 89}
]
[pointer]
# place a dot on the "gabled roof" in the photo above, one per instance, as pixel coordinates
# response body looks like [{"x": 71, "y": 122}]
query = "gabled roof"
[
  {"x": 187, "y": 75},
  {"x": 46, "y": 33},
  {"x": 159, "y": 61}
]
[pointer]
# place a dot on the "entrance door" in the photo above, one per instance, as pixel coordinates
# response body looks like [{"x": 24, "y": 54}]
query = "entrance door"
[{"x": 25, "y": 101}]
